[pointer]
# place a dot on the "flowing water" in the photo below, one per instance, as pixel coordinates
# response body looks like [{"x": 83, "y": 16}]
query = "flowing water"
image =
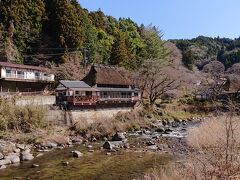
[{"x": 123, "y": 164}]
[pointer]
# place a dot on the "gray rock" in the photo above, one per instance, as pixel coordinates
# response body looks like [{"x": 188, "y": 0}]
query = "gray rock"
[
  {"x": 3, "y": 167},
  {"x": 50, "y": 144},
  {"x": 65, "y": 163},
  {"x": 126, "y": 146},
  {"x": 39, "y": 155},
  {"x": 108, "y": 145},
  {"x": 1, "y": 156},
  {"x": 108, "y": 153},
  {"x": 26, "y": 156},
  {"x": 105, "y": 139},
  {"x": 17, "y": 150},
  {"x": 153, "y": 147},
  {"x": 76, "y": 154},
  {"x": 14, "y": 159},
  {"x": 89, "y": 146},
  {"x": 118, "y": 137},
  {"x": 167, "y": 131},
  {"x": 150, "y": 143},
  {"x": 20, "y": 146},
  {"x": 5, "y": 162},
  {"x": 93, "y": 139},
  {"x": 160, "y": 130},
  {"x": 35, "y": 165}
]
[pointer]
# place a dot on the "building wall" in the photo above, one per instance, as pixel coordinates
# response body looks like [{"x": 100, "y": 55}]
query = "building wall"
[
  {"x": 28, "y": 74},
  {"x": 19, "y": 86}
]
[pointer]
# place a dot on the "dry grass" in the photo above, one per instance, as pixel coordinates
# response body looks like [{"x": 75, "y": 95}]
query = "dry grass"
[
  {"x": 21, "y": 118},
  {"x": 106, "y": 127},
  {"x": 213, "y": 132},
  {"x": 215, "y": 153}
]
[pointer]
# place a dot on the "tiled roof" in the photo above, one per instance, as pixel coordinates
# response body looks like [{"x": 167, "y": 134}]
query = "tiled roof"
[{"x": 74, "y": 84}]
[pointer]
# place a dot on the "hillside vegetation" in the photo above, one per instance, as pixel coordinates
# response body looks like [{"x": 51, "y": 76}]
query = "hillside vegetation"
[
  {"x": 60, "y": 33},
  {"x": 201, "y": 50}
]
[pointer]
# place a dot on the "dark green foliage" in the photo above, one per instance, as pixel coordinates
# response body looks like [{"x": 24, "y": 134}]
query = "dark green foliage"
[
  {"x": 206, "y": 49},
  {"x": 48, "y": 31},
  {"x": 120, "y": 54},
  {"x": 188, "y": 59}
]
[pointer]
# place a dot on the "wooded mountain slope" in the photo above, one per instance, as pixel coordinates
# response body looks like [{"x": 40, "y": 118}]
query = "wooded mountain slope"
[
  {"x": 201, "y": 50},
  {"x": 55, "y": 32}
]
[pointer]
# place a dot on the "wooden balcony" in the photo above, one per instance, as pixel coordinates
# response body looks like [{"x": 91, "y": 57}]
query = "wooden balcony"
[{"x": 83, "y": 100}]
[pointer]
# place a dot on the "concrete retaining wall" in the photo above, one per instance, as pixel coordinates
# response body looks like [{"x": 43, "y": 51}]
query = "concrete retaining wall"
[
  {"x": 58, "y": 117},
  {"x": 35, "y": 100}
]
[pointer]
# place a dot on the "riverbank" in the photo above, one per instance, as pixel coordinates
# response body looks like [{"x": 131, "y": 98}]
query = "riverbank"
[{"x": 128, "y": 155}]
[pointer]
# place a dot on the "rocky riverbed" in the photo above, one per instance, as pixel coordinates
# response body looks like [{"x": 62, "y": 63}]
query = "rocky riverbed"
[{"x": 135, "y": 151}]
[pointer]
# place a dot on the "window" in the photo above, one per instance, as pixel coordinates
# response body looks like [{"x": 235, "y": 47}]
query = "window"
[
  {"x": 20, "y": 74},
  {"x": 8, "y": 71},
  {"x": 77, "y": 92}
]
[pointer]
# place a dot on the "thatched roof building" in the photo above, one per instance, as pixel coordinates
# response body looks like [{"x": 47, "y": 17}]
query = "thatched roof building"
[{"x": 106, "y": 76}]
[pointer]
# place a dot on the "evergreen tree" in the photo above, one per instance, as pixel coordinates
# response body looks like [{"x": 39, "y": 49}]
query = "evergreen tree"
[
  {"x": 64, "y": 23},
  {"x": 120, "y": 54}
]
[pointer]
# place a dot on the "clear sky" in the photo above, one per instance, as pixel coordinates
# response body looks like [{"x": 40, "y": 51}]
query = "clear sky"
[{"x": 177, "y": 18}]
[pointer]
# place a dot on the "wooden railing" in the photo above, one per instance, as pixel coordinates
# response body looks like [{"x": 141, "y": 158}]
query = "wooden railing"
[{"x": 83, "y": 100}]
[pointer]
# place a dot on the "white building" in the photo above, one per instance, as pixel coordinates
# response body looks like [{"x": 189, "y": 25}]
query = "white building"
[{"x": 24, "y": 78}]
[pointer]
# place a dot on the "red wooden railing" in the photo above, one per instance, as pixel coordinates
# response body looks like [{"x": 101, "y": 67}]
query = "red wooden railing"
[{"x": 83, "y": 100}]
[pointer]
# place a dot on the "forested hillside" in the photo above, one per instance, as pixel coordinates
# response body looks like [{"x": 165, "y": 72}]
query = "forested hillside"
[
  {"x": 59, "y": 33},
  {"x": 201, "y": 50}
]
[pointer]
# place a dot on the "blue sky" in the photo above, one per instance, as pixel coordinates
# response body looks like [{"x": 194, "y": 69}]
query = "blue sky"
[{"x": 177, "y": 18}]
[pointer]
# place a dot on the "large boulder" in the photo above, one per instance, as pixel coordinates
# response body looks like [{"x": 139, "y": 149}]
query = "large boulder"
[
  {"x": 5, "y": 162},
  {"x": 14, "y": 158},
  {"x": 108, "y": 145},
  {"x": 1, "y": 156},
  {"x": 26, "y": 156},
  {"x": 118, "y": 137}
]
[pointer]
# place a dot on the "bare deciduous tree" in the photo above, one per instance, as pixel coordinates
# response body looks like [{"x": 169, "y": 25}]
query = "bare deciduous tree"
[{"x": 152, "y": 81}]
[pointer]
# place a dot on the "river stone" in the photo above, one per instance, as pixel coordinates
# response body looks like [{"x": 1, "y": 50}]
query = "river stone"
[
  {"x": 108, "y": 145},
  {"x": 26, "y": 156},
  {"x": 35, "y": 165},
  {"x": 89, "y": 146},
  {"x": 1, "y": 156},
  {"x": 50, "y": 144},
  {"x": 76, "y": 154},
  {"x": 118, "y": 137},
  {"x": 160, "y": 130},
  {"x": 14, "y": 159},
  {"x": 5, "y": 162},
  {"x": 20, "y": 146},
  {"x": 153, "y": 147},
  {"x": 3, "y": 167},
  {"x": 168, "y": 130},
  {"x": 150, "y": 143},
  {"x": 40, "y": 154}
]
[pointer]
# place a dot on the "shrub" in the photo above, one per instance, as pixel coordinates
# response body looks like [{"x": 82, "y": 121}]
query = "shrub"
[
  {"x": 106, "y": 127},
  {"x": 21, "y": 118}
]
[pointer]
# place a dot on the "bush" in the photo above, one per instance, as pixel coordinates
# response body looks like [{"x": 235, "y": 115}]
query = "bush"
[
  {"x": 21, "y": 118},
  {"x": 107, "y": 127}
]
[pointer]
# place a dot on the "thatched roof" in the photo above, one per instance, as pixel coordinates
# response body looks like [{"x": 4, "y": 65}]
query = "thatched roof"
[{"x": 106, "y": 75}]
